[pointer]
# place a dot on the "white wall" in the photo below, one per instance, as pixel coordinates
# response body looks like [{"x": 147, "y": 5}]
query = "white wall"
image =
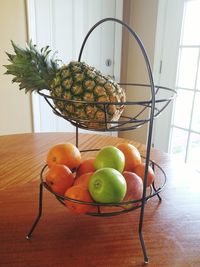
[{"x": 15, "y": 106}]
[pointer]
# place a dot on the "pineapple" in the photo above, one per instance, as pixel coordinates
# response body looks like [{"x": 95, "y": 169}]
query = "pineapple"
[{"x": 80, "y": 93}]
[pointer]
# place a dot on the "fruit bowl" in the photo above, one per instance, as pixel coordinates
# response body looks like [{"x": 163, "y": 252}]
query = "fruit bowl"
[
  {"x": 118, "y": 121},
  {"x": 97, "y": 103},
  {"x": 112, "y": 209}
]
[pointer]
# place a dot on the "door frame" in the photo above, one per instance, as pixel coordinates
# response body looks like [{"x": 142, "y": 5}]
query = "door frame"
[
  {"x": 30, "y": 7},
  {"x": 169, "y": 22}
]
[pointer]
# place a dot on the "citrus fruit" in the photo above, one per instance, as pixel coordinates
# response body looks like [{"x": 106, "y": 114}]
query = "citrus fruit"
[
  {"x": 59, "y": 178},
  {"x": 140, "y": 171},
  {"x": 107, "y": 185},
  {"x": 110, "y": 157},
  {"x": 132, "y": 156},
  {"x": 80, "y": 193},
  {"x": 67, "y": 154},
  {"x": 87, "y": 165},
  {"x": 84, "y": 179}
]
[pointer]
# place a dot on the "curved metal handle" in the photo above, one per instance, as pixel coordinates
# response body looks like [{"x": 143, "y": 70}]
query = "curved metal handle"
[
  {"x": 149, "y": 70},
  {"x": 139, "y": 43}
]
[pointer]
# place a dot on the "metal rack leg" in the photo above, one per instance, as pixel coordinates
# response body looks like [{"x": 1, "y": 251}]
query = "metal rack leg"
[
  {"x": 29, "y": 235},
  {"x": 146, "y": 259}
]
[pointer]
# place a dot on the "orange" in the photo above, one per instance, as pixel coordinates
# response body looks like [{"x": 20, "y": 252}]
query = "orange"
[
  {"x": 83, "y": 180},
  {"x": 140, "y": 171},
  {"x": 132, "y": 156},
  {"x": 59, "y": 178},
  {"x": 86, "y": 165},
  {"x": 67, "y": 154},
  {"x": 80, "y": 193}
]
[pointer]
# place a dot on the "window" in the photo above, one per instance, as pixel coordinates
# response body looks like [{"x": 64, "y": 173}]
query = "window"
[{"x": 185, "y": 128}]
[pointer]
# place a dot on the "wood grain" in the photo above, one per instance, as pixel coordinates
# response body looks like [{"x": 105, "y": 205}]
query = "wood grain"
[
  {"x": 171, "y": 228},
  {"x": 23, "y": 155}
]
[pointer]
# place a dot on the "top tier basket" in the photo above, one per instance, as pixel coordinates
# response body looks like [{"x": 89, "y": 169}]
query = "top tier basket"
[{"x": 147, "y": 109}]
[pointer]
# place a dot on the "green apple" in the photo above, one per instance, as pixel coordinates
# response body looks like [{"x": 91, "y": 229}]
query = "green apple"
[
  {"x": 107, "y": 185},
  {"x": 111, "y": 157}
]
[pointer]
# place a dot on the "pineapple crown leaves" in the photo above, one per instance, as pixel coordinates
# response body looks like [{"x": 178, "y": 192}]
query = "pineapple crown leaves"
[{"x": 32, "y": 69}]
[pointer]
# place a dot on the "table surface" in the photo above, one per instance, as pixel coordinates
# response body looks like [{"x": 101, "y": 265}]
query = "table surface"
[{"x": 171, "y": 227}]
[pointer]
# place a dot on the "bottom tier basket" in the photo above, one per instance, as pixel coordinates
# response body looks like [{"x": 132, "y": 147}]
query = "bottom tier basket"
[{"x": 112, "y": 209}]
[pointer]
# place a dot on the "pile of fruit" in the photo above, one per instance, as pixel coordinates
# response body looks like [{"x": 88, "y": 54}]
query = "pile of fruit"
[{"x": 114, "y": 175}]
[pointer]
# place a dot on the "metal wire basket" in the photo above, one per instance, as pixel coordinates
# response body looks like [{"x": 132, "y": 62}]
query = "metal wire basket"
[
  {"x": 112, "y": 209},
  {"x": 124, "y": 123}
]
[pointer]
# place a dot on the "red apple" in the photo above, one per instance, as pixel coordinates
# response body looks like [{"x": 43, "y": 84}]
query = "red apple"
[{"x": 134, "y": 188}]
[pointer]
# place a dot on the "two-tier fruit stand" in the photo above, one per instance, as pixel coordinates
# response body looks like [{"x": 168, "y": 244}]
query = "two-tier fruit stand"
[{"x": 152, "y": 107}]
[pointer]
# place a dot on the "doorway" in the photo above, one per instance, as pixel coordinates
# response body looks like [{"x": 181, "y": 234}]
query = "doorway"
[
  {"x": 182, "y": 133},
  {"x": 63, "y": 25}
]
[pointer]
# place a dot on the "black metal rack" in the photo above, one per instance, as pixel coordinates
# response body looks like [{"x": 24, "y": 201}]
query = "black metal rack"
[{"x": 153, "y": 107}]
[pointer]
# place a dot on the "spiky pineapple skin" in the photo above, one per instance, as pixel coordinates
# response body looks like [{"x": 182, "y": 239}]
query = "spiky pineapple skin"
[{"x": 81, "y": 89}]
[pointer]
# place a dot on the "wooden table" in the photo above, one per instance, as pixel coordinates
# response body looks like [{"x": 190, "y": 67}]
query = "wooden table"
[{"x": 171, "y": 228}]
